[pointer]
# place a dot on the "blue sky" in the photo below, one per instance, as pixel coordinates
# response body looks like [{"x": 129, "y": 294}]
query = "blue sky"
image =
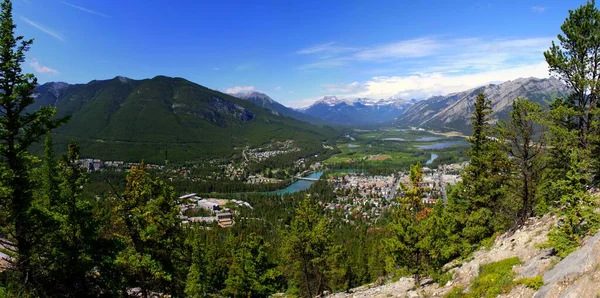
[{"x": 295, "y": 51}]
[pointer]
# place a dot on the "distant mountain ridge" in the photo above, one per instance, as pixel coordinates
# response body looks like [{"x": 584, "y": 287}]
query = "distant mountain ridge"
[
  {"x": 359, "y": 111},
  {"x": 453, "y": 111},
  {"x": 263, "y": 100},
  {"x": 126, "y": 119}
]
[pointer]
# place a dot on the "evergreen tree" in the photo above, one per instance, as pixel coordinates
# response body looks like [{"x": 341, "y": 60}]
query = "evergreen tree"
[
  {"x": 523, "y": 138},
  {"x": 252, "y": 272},
  {"x": 19, "y": 128},
  {"x": 405, "y": 247},
  {"x": 307, "y": 249},
  {"x": 150, "y": 227},
  {"x": 77, "y": 254},
  {"x": 575, "y": 60},
  {"x": 479, "y": 202}
]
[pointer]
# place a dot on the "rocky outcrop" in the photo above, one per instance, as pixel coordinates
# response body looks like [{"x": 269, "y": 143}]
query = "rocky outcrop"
[
  {"x": 523, "y": 243},
  {"x": 577, "y": 275},
  {"x": 453, "y": 111}
]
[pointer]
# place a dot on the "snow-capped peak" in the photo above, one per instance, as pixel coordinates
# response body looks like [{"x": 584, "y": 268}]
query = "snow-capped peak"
[
  {"x": 330, "y": 100},
  {"x": 255, "y": 95}
]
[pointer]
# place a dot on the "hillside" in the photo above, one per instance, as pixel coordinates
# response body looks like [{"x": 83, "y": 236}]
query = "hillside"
[
  {"x": 577, "y": 275},
  {"x": 453, "y": 111},
  {"x": 125, "y": 119},
  {"x": 263, "y": 100}
]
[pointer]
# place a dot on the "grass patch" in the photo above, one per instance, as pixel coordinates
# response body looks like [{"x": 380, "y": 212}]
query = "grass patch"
[
  {"x": 443, "y": 278},
  {"x": 494, "y": 279},
  {"x": 534, "y": 283}
]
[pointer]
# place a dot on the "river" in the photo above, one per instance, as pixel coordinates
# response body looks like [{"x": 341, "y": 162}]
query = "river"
[
  {"x": 299, "y": 185},
  {"x": 431, "y": 159}
]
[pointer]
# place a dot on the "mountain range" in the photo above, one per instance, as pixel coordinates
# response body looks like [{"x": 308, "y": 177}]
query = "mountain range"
[
  {"x": 444, "y": 112},
  {"x": 453, "y": 111},
  {"x": 359, "y": 111},
  {"x": 263, "y": 100},
  {"x": 173, "y": 118},
  {"x": 164, "y": 117}
]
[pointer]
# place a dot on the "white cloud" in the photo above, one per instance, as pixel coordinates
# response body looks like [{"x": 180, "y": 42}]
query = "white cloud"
[
  {"x": 239, "y": 89},
  {"x": 278, "y": 88},
  {"x": 456, "y": 53},
  {"x": 40, "y": 68},
  {"x": 85, "y": 9},
  {"x": 43, "y": 28},
  {"x": 413, "y": 48},
  {"x": 216, "y": 68},
  {"x": 425, "y": 85},
  {"x": 538, "y": 9}
]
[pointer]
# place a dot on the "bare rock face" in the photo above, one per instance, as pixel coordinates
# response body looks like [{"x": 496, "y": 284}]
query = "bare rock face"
[
  {"x": 577, "y": 275},
  {"x": 453, "y": 111}
]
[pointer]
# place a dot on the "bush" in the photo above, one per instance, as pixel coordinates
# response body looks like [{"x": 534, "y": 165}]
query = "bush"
[
  {"x": 534, "y": 283},
  {"x": 494, "y": 278},
  {"x": 442, "y": 278}
]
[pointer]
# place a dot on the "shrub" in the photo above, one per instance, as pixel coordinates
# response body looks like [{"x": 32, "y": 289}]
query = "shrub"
[{"x": 534, "y": 283}]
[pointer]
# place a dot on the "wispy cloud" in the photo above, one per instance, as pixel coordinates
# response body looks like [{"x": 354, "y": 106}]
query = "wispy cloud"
[
  {"x": 277, "y": 88},
  {"x": 43, "y": 28},
  {"x": 326, "y": 48},
  {"x": 424, "y": 67},
  {"x": 216, "y": 68},
  {"x": 239, "y": 89},
  {"x": 538, "y": 9},
  {"x": 431, "y": 54},
  {"x": 85, "y": 9},
  {"x": 41, "y": 68}
]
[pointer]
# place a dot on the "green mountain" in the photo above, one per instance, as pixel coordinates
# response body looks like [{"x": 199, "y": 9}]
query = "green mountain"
[{"x": 125, "y": 119}]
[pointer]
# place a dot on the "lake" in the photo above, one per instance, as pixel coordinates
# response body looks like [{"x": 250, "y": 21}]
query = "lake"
[
  {"x": 394, "y": 139},
  {"x": 428, "y": 139},
  {"x": 299, "y": 185},
  {"x": 443, "y": 145}
]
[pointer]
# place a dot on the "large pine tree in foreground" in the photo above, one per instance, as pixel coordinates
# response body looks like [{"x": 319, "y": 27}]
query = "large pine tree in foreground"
[{"x": 19, "y": 129}]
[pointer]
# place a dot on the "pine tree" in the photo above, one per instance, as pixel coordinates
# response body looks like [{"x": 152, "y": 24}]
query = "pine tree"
[
  {"x": 405, "y": 248},
  {"x": 575, "y": 60},
  {"x": 150, "y": 228},
  {"x": 523, "y": 138},
  {"x": 77, "y": 254},
  {"x": 479, "y": 202},
  {"x": 19, "y": 129},
  {"x": 252, "y": 272},
  {"x": 308, "y": 248}
]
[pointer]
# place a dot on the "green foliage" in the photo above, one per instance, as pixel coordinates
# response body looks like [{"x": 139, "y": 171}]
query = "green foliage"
[
  {"x": 575, "y": 206},
  {"x": 523, "y": 138},
  {"x": 75, "y": 258},
  {"x": 455, "y": 292},
  {"x": 309, "y": 252},
  {"x": 443, "y": 278},
  {"x": 534, "y": 283},
  {"x": 573, "y": 59},
  {"x": 171, "y": 118},
  {"x": 479, "y": 202},
  {"x": 493, "y": 279},
  {"x": 18, "y": 131},
  {"x": 149, "y": 226}
]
